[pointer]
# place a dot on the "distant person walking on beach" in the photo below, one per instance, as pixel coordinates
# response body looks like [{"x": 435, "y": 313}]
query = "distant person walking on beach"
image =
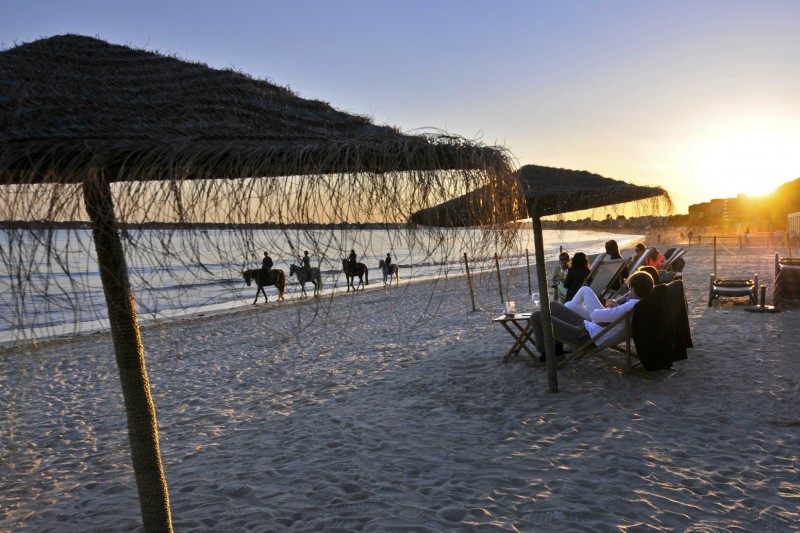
[
  {"x": 266, "y": 266},
  {"x": 747, "y": 235}
]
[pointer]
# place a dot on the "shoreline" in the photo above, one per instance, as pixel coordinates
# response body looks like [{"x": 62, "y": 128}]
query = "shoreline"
[
  {"x": 392, "y": 411},
  {"x": 66, "y": 332}
]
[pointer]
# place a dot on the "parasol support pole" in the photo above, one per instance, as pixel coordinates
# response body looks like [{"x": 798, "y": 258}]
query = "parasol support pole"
[
  {"x": 547, "y": 320},
  {"x": 139, "y": 408}
]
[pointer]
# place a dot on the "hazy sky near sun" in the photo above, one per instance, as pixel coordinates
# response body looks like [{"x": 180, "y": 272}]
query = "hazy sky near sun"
[{"x": 701, "y": 97}]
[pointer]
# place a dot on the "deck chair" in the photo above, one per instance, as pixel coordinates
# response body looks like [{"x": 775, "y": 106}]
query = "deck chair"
[
  {"x": 659, "y": 327},
  {"x": 611, "y": 343},
  {"x": 636, "y": 263},
  {"x": 606, "y": 273},
  {"x": 675, "y": 261}
]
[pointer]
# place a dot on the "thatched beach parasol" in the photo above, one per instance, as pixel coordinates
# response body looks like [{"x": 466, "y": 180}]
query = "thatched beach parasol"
[
  {"x": 80, "y": 114},
  {"x": 545, "y": 191}
]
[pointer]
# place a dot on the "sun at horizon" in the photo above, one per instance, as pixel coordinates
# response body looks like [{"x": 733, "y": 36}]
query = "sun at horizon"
[{"x": 752, "y": 162}]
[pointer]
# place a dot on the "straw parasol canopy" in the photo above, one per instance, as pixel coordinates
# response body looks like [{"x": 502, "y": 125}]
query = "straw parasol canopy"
[
  {"x": 80, "y": 114},
  {"x": 71, "y": 102},
  {"x": 544, "y": 191}
]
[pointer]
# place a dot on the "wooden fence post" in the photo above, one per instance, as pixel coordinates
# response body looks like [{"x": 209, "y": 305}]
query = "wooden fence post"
[
  {"x": 499, "y": 280},
  {"x": 528, "y": 263},
  {"x": 469, "y": 281}
]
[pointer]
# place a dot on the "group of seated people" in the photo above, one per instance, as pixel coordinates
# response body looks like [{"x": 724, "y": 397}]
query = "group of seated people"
[
  {"x": 583, "y": 317},
  {"x": 578, "y": 313}
]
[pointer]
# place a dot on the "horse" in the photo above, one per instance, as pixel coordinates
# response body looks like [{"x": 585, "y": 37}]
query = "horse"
[
  {"x": 389, "y": 271},
  {"x": 278, "y": 279},
  {"x": 350, "y": 273},
  {"x": 302, "y": 276}
]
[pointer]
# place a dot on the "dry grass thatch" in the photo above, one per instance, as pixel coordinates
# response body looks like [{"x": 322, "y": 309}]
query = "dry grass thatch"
[{"x": 544, "y": 191}]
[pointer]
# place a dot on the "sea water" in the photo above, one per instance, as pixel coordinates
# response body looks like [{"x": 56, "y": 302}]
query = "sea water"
[{"x": 51, "y": 285}]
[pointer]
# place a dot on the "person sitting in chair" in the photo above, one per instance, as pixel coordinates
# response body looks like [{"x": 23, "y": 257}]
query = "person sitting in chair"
[
  {"x": 266, "y": 266},
  {"x": 655, "y": 259},
  {"x": 612, "y": 251},
  {"x": 559, "y": 277},
  {"x": 577, "y": 273},
  {"x": 579, "y": 322}
]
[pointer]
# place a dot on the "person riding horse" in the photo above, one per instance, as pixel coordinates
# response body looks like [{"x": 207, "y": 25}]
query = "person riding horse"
[
  {"x": 388, "y": 260},
  {"x": 266, "y": 266},
  {"x": 353, "y": 259},
  {"x": 306, "y": 263}
]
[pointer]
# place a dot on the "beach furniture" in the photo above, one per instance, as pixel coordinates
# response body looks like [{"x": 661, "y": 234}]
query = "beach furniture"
[
  {"x": 605, "y": 274},
  {"x": 636, "y": 263},
  {"x": 787, "y": 281},
  {"x": 657, "y": 327},
  {"x": 733, "y": 288},
  {"x": 518, "y": 326},
  {"x": 675, "y": 261}
]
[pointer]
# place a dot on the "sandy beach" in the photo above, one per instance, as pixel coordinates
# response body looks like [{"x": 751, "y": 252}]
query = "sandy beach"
[{"x": 391, "y": 411}]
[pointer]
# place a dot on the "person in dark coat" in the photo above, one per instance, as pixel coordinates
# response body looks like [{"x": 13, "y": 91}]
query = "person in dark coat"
[
  {"x": 307, "y": 263},
  {"x": 612, "y": 251},
  {"x": 576, "y": 274},
  {"x": 352, "y": 259}
]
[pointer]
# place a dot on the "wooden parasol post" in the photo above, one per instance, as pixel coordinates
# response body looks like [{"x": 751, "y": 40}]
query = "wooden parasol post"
[
  {"x": 141, "y": 413},
  {"x": 547, "y": 320}
]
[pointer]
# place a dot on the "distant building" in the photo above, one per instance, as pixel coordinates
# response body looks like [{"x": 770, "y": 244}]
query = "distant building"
[{"x": 793, "y": 223}]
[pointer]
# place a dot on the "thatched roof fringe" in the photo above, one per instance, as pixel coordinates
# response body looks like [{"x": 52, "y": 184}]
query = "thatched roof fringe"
[
  {"x": 541, "y": 191},
  {"x": 229, "y": 160}
]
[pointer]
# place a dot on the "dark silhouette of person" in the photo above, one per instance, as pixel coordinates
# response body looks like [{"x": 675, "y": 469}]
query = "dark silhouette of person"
[
  {"x": 576, "y": 274},
  {"x": 612, "y": 250},
  {"x": 266, "y": 266}
]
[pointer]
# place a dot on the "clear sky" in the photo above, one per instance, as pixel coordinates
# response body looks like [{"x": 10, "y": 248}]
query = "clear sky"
[{"x": 701, "y": 97}]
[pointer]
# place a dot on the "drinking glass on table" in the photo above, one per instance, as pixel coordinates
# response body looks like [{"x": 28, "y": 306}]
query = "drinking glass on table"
[{"x": 535, "y": 298}]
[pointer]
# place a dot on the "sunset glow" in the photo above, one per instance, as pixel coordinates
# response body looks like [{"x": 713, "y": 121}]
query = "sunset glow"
[{"x": 751, "y": 162}]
